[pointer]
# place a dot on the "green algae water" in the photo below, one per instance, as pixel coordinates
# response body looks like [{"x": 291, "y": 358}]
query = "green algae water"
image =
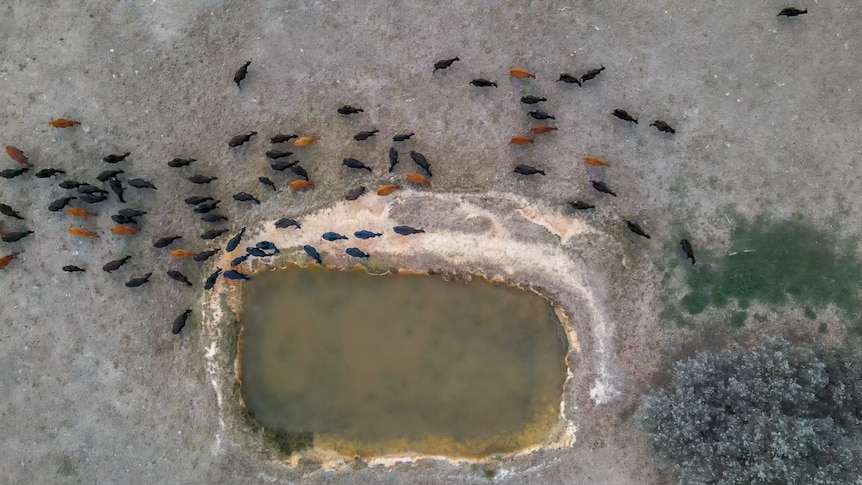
[{"x": 376, "y": 365}]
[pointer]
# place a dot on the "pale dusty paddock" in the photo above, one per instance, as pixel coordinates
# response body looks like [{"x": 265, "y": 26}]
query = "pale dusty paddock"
[{"x": 95, "y": 388}]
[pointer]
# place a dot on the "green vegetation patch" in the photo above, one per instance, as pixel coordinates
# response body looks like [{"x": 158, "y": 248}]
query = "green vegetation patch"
[
  {"x": 738, "y": 319},
  {"x": 775, "y": 262},
  {"x": 290, "y": 442}
]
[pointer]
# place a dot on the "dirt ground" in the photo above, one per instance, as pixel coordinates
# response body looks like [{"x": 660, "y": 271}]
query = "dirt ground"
[{"x": 97, "y": 390}]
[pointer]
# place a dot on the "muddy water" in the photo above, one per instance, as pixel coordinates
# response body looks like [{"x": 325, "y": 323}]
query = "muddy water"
[{"x": 376, "y": 365}]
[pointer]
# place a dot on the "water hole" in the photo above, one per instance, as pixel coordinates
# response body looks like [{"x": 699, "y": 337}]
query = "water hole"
[{"x": 381, "y": 365}]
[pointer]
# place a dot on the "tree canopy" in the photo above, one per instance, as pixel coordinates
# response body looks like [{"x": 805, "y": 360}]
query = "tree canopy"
[{"x": 773, "y": 415}]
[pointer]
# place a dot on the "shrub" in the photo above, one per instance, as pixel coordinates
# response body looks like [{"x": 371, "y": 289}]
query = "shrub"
[{"x": 774, "y": 415}]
